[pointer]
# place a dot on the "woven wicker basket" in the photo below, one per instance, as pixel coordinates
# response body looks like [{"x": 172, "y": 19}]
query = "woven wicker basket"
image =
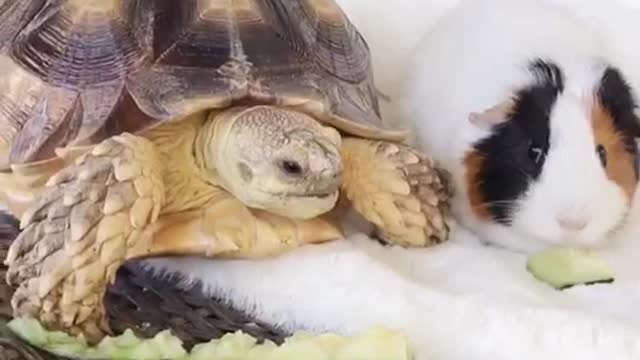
[{"x": 143, "y": 303}]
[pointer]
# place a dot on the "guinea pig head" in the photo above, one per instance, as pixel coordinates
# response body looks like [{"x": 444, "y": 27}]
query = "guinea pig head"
[{"x": 560, "y": 163}]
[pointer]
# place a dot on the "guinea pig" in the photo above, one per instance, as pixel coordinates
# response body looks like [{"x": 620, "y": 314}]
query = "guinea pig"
[{"x": 519, "y": 102}]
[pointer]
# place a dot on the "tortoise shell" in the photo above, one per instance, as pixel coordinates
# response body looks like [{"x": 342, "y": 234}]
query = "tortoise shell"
[{"x": 74, "y": 72}]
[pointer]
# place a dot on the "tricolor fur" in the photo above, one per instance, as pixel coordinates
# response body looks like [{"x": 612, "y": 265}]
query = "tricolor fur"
[{"x": 535, "y": 123}]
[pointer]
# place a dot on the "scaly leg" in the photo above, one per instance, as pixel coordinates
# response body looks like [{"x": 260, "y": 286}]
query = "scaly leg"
[
  {"x": 400, "y": 191},
  {"x": 104, "y": 210},
  {"x": 91, "y": 217},
  {"x": 25, "y": 182}
]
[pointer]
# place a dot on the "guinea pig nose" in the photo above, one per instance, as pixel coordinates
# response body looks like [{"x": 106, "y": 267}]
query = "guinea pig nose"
[{"x": 572, "y": 223}]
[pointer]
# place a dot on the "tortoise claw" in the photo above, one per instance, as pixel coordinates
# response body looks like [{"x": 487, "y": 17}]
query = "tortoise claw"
[
  {"x": 399, "y": 190},
  {"x": 79, "y": 232}
]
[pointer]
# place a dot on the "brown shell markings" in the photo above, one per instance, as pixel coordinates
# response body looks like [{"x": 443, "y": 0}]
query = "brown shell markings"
[
  {"x": 63, "y": 73},
  {"x": 75, "y": 72}
]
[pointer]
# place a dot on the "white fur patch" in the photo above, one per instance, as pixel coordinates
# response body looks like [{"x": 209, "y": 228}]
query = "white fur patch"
[
  {"x": 456, "y": 72},
  {"x": 457, "y": 301}
]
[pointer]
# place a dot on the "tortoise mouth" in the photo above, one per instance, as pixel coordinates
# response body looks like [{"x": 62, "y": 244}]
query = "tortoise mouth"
[
  {"x": 323, "y": 194},
  {"x": 316, "y": 195},
  {"x": 299, "y": 205}
]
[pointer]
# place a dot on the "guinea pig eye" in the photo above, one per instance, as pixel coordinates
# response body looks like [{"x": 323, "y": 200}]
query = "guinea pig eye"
[
  {"x": 291, "y": 167},
  {"x": 602, "y": 154},
  {"x": 535, "y": 153}
]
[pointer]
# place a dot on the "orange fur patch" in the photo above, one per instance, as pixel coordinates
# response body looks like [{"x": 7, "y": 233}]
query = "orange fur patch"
[
  {"x": 473, "y": 162},
  {"x": 620, "y": 163}
]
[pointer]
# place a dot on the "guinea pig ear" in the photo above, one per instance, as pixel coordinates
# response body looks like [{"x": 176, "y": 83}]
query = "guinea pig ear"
[
  {"x": 637, "y": 114},
  {"x": 493, "y": 116},
  {"x": 637, "y": 142}
]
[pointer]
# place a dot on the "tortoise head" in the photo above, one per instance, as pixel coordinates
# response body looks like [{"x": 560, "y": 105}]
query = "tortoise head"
[{"x": 275, "y": 159}]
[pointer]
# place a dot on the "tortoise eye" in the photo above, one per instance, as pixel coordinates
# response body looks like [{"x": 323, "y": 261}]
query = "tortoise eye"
[{"x": 291, "y": 167}]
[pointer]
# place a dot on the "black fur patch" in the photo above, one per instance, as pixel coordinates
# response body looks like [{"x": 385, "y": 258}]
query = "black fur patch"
[
  {"x": 516, "y": 151},
  {"x": 617, "y": 97}
]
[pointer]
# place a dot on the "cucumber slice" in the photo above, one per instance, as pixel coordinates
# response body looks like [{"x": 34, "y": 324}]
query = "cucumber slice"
[
  {"x": 376, "y": 343},
  {"x": 564, "y": 267}
]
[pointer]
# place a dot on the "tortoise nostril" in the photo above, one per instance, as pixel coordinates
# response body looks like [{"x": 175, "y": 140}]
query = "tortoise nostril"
[{"x": 331, "y": 173}]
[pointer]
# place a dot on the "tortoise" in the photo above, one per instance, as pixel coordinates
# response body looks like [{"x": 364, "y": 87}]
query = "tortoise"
[{"x": 236, "y": 129}]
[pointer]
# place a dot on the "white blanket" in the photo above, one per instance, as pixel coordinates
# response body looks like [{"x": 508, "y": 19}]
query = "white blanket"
[
  {"x": 459, "y": 300},
  {"x": 455, "y": 301}
]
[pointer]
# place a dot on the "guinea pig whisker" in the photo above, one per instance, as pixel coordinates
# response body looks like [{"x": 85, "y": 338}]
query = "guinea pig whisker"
[
  {"x": 520, "y": 170},
  {"x": 510, "y": 205},
  {"x": 503, "y": 219},
  {"x": 621, "y": 225},
  {"x": 501, "y": 203},
  {"x": 506, "y": 203}
]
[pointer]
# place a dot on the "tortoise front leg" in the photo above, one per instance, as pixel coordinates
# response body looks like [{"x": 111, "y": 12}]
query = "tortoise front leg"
[
  {"x": 91, "y": 217},
  {"x": 103, "y": 210},
  {"x": 25, "y": 182},
  {"x": 398, "y": 190}
]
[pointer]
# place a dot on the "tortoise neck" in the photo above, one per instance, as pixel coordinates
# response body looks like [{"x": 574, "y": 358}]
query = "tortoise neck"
[
  {"x": 204, "y": 146},
  {"x": 186, "y": 185},
  {"x": 210, "y": 146}
]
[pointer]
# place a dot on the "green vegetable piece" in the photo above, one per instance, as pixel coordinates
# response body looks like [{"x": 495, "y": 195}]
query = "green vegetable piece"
[
  {"x": 373, "y": 344},
  {"x": 229, "y": 347},
  {"x": 376, "y": 343},
  {"x": 565, "y": 267},
  {"x": 71, "y": 349},
  {"x": 298, "y": 347},
  {"x": 128, "y": 346},
  {"x": 264, "y": 351},
  {"x": 31, "y": 329},
  {"x": 168, "y": 346}
]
